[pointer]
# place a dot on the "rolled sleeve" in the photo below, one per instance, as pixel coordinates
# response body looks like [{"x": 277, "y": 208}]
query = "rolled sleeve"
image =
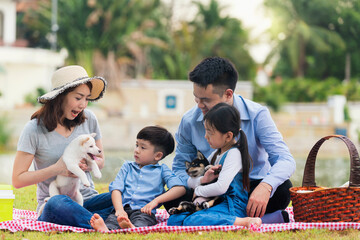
[
  {"x": 282, "y": 162},
  {"x": 171, "y": 180}
]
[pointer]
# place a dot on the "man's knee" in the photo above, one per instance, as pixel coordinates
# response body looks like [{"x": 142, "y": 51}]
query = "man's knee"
[{"x": 281, "y": 198}]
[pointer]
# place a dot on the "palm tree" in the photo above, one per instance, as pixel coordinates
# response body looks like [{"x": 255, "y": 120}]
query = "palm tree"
[{"x": 293, "y": 31}]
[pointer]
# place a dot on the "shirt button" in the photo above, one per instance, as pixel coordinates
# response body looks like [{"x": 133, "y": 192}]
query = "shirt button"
[
  {"x": 132, "y": 202},
  {"x": 138, "y": 187}
]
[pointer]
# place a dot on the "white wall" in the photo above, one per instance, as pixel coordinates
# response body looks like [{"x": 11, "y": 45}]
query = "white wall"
[
  {"x": 25, "y": 69},
  {"x": 8, "y": 8}
]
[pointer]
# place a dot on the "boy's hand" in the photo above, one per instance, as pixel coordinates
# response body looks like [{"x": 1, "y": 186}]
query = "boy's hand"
[
  {"x": 148, "y": 207},
  {"x": 121, "y": 213}
]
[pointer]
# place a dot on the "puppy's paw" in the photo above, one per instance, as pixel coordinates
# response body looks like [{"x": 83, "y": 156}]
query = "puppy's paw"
[
  {"x": 208, "y": 167},
  {"x": 173, "y": 210},
  {"x": 205, "y": 205},
  {"x": 86, "y": 183},
  {"x": 97, "y": 174}
]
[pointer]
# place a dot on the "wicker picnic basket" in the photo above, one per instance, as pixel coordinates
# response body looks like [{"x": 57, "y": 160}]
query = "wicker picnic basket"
[{"x": 317, "y": 204}]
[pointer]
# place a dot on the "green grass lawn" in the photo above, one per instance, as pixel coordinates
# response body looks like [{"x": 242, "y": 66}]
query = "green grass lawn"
[{"x": 25, "y": 198}]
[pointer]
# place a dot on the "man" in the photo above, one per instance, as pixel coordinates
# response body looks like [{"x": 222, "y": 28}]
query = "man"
[{"x": 214, "y": 81}]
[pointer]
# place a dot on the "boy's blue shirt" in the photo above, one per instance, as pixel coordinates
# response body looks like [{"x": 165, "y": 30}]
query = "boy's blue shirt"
[{"x": 139, "y": 186}]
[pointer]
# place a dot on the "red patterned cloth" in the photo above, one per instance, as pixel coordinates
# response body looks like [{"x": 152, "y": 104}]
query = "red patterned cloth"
[{"x": 26, "y": 220}]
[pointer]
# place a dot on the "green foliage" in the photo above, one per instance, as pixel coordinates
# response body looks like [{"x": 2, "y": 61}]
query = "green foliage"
[
  {"x": 305, "y": 90},
  {"x": 140, "y": 37},
  {"x": 347, "y": 116},
  {"x": 32, "y": 97},
  {"x": 270, "y": 95},
  {"x": 311, "y": 39},
  {"x": 5, "y": 132}
]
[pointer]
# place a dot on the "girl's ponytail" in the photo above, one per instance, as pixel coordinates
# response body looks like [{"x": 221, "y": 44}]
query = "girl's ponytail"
[{"x": 246, "y": 160}]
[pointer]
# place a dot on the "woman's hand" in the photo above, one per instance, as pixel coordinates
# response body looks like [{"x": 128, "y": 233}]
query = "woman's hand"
[
  {"x": 211, "y": 174},
  {"x": 62, "y": 169},
  {"x": 84, "y": 166}
]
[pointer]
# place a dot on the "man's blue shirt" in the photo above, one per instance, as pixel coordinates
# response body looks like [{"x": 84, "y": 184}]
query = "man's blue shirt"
[
  {"x": 139, "y": 186},
  {"x": 271, "y": 157}
]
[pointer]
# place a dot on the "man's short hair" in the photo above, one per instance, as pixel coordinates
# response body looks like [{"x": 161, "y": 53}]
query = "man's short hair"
[
  {"x": 159, "y": 137},
  {"x": 219, "y": 72}
]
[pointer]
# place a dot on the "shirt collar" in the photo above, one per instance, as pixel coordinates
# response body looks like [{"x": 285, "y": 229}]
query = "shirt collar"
[
  {"x": 150, "y": 165},
  {"x": 239, "y": 104}
]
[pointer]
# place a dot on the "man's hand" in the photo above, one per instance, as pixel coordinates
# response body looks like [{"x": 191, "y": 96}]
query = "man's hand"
[{"x": 258, "y": 200}]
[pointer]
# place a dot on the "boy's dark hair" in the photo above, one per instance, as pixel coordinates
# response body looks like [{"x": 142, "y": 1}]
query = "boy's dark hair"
[
  {"x": 219, "y": 72},
  {"x": 158, "y": 136}
]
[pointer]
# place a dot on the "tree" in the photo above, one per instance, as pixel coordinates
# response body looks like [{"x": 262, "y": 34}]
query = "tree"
[
  {"x": 107, "y": 37},
  {"x": 297, "y": 27}
]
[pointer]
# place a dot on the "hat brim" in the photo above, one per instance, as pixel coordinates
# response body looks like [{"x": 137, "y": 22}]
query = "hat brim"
[{"x": 97, "y": 91}]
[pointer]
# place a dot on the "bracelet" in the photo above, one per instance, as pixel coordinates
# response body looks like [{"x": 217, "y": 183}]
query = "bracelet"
[{"x": 269, "y": 189}]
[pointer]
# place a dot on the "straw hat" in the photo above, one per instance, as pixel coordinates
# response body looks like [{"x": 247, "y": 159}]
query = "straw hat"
[{"x": 72, "y": 76}]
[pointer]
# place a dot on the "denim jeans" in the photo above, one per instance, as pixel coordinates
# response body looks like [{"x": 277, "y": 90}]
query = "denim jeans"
[{"x": 61, "y": 209}]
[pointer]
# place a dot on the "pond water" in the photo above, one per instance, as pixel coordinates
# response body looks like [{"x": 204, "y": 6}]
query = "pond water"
[{"x": 329, "y": 171}]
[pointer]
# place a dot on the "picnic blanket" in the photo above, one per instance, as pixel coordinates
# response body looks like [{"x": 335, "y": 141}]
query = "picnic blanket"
[{"x": 27, "y": 220}]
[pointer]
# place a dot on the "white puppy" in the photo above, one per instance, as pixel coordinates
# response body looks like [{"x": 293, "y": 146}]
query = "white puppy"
[{"x": 82, "y": 147}]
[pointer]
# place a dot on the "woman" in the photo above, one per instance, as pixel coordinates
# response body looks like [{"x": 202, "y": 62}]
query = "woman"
[{"x": 61, "y": 119}]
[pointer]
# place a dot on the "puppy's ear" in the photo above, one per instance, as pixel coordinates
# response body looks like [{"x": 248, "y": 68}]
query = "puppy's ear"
[
  {"x": 84, "y": 141},
  {"x": 200, "y": 155},
  {"x": 93, "y": 134},
  {"x": 187, "y": 164}
]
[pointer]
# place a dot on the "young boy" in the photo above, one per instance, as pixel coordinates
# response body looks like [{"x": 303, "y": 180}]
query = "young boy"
[{"x": 138, "y": 188}]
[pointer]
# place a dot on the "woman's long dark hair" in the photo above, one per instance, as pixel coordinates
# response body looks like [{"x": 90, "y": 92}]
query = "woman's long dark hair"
[
  {"x": 51, "y": 112},
  {"x": 226, "y": 118}
]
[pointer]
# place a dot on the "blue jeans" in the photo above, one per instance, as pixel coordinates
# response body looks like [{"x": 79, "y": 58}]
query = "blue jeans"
[{"x": 61, "y": 209}]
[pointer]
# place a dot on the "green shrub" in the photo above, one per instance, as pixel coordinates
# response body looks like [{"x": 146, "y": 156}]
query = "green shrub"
[
  {"x": 305, "y": 90},
  {"x": 5, "y": 132},
  {"x": 32, "y": 97}
]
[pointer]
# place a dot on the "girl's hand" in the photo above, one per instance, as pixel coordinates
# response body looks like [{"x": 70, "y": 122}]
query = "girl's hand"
[
  {"x": 211, "y": 174},
  {"x": 148, "y": 207}
]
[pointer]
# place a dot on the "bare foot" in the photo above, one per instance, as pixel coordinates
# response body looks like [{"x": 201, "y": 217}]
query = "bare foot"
[
  {"x": 124, "y": 222},
  {"x": 98, "y": 223},
  {"x": 248, "y": 221},
  {"x": 254, "y": 221}
]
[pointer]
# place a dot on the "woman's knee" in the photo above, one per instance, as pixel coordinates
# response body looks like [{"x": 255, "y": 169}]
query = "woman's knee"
[{"x": 58, "y": 202}]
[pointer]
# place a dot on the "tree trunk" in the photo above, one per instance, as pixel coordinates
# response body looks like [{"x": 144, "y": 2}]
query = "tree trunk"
[
  {"x": 301, "y": 61},
  {"x": 347, "y": 67}
]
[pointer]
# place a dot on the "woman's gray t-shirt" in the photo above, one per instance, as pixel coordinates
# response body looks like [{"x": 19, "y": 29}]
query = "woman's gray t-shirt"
[{"x": 47, "y": 147}]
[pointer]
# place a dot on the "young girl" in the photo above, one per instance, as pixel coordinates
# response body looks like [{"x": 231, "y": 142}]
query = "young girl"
[
  {"x": 222, "y": 124},
  {"x": 61, "y": 119}
]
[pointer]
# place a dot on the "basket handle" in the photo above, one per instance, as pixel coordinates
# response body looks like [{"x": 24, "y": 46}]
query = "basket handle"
[{"x": 309, "y": 170}]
